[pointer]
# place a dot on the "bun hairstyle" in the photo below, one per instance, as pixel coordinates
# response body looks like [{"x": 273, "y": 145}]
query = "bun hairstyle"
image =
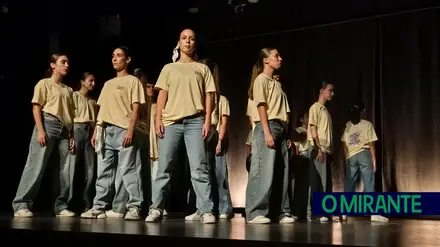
[
  {"x": 258, "y": 69},
  {"x": 53, "y": 59}
]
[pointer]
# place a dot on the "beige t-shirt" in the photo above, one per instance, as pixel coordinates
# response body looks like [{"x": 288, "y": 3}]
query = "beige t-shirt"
[
  {"x": 320, "y": 117},
  {"x": 186, "y": 84},
  {"x": 116, "y": 99},
  {"x": 304, "y": 145},
  {"x": 268, "y": 91},
  {"x": 357, "y": 137},
  {"x": 223, "y": 110},
  {"x": 86, "y": 108},
  {"x": 252, "y": 112},
  {"x": 55, "y": 99},
  {"x": 154, "y": 153}
]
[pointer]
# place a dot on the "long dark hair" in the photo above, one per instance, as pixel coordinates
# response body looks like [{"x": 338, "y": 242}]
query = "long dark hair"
[
  {"x": 258, "y": 69},
  {"x": 213, "y": 67},
  {"x": 53, "y": 59}
]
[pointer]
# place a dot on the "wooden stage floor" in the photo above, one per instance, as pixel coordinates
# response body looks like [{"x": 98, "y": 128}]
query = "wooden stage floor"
[{"x": 172, "y": 231}]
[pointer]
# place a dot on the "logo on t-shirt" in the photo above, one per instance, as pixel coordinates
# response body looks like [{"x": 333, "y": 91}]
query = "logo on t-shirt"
[
  {"x": 354, "y": 139},
  {"x": 120, "y": 88}
]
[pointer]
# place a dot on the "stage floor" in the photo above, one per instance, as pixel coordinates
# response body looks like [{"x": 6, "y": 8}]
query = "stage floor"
[{"x": 354, "y": 232}]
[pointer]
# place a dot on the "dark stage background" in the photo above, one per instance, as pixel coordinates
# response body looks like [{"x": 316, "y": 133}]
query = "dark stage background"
[{"x": 390, "y": 62}]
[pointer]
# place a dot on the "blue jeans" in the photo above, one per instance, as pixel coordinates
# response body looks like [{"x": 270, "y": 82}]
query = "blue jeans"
[
  {"x": 219, "y": 174},
  {"x": 320, "y": 176},
  {"x": 360, "y": 164},
  {"x": 268, "y": 179},
  {"x": 142, "y": 160},
  {"x": 84, "y": 158},
  {"x": 189, "y": 131},
  {"x": 114, "y": 159},
  {"x": 57, "y": 143}
]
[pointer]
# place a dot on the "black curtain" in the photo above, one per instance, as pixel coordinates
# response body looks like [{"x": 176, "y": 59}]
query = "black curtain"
[{"x": 389, "y": 63}]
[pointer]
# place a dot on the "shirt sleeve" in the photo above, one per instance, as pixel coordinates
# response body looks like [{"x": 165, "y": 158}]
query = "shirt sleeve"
[
  {"x": 163, "y": 79},
  {"x": 260, "y": 91},
  {"x": 40, "y": 94}
]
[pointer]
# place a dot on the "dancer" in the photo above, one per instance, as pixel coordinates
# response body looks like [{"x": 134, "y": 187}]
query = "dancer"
[
  {"x": 86, "y": 111},
  {"x": 184, "y": 108},
  {"x": 320, "y": 136},
  {"x": 358, "y": 142},
  {"x": 269, "y": 142},
  {"x": 53, "y": 111},
  {"x": 115, "y": 141},
  {"x": 217, "y": 145}
]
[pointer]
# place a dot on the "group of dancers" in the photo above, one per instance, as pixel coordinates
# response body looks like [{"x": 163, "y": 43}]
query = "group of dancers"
[{"x": 137, "y": 127}]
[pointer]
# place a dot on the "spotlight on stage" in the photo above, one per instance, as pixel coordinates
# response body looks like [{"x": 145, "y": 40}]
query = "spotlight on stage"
[
  {"x": 193, "y": 10},
  {"x": 253, "y": 1}
]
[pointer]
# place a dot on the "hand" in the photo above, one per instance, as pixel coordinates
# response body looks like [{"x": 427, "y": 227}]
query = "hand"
[
  {"x": 128, "y": 138},
  {"x": 374, "y": 166},
  {"x": 93, "y": 140},
  {"x": 41, "y": 138},
  {"x": 218, "y": 149},
  {"x": 72, "y": 145},
  {"x": 270, "y": 142},
  {"x": 289, "y": 143},
  {"x": 160, "y": 129},
  {"x": 320, "y": 156},
  {"x": 206, "y": 131}
]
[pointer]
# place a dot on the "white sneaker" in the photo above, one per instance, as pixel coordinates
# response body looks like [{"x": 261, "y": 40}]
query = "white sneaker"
[
  {"x": 165, "y": 213},
  {"x": 66, "y": 213},
  {"x": 194, "y": 217},
  {"x": 208, "y": 218},
  {"x": 379, "y": 218},
  {"x": 344, "y": 217},
  {"x": 132, "y": 214},
  {"x": 323, "y": 219},
  {"x": 113, "y": 214},
  {"x": 287, "y": 220},
  {"x": 226, "y": 216},
  {"x": 336, "y": 218},
  {"x": 259, "y": 220},
  {"x": 23, "y": 213},
  {"x": 94, "y": 214},
  {"x": 153, "y": 216}
]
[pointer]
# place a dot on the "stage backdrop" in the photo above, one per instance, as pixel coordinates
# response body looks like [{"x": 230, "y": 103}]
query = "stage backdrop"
[{"x": 391, "y": 64}]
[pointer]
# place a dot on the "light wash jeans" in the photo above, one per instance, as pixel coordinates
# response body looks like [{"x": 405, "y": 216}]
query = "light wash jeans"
[
  {"x": 114, "y": 159},
  {"x": 219, "y": 174},
  {"x": 84, "y": 158},
  {"x": 142, "y": 160},
  {"x": 320, "y": 176},
  {"x": 188, "y": 130},
  {"x": 57, "y": 143},
  {"x": 268, "y": 180},
  {"x": 360, "y": 164}
]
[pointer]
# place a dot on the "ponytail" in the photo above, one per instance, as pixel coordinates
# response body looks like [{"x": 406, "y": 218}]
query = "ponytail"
[{"x": 258, "y": 69}]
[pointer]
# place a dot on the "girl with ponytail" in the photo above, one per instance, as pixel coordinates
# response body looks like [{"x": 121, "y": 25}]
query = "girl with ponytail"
[{"x": 270, "y": 140}]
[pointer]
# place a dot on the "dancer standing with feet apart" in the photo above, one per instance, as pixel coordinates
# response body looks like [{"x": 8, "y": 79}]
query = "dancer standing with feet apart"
[
  {"x": 184, "y": 108},
  {"x": 115, "y": 141},
  {"x": 85, "y": 120},
  {"x": 270, "y": 158},
  {"x": 217, "y": 146},
  {"x": 358, "y": 141},
  {"x": 320, "y": 136},
  {"x": 53, "y": 110}
]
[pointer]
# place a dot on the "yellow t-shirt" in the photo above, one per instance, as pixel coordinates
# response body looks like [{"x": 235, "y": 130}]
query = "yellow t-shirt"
[
  {"x": 320, "y": 117},
  {"x": 86, "y": 108},
  {"x": 55, "y": 99},
  {"x": 116, "y": 99},
  {"x": 358, "y": 136},
  {"x": 154, "y": 153},
  {"x": 186, "y": 84},
  {"x": 304, "y": 145},
  {"x": 222, "y": 110},
  {"x": 268, "y": 91}
]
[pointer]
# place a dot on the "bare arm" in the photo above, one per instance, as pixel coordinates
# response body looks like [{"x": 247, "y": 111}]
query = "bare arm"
[
  {"x": 373, "y": 151},
  {"x": 36, "y": 111},
  {"x": 160, "y": 104},
  {"x": 134, "y": 116},
  {"x": 264, "y": 119},
  {"x": 314, "y": 132},
  {"x": 222, "y": 129},
  {"x": 208, "y": 107}
]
